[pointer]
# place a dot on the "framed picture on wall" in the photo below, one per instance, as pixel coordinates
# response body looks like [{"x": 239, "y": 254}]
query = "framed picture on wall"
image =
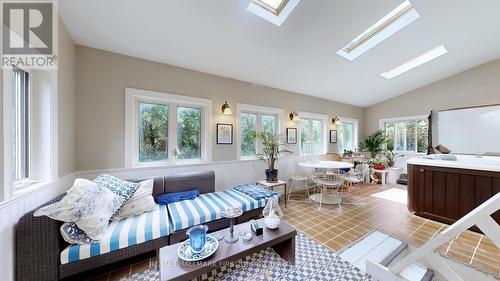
[
  {"x": 224, "y": 133},
  {"x": 291, "y": 135},
  {"x": 333, "y": 136}
]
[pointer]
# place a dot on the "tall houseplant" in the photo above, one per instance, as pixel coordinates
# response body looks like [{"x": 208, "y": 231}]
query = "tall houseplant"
[
  {"x": 374, "y": 143},
  {"x": 272, "y": 150}
]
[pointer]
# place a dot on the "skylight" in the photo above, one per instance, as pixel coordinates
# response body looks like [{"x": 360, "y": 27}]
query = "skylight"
[
  {"x": 391, "y": 23},
  {"x": 274, "y": 6},
  {"x": 426, "y": 57},
  {"x": 275, "y": 11}
]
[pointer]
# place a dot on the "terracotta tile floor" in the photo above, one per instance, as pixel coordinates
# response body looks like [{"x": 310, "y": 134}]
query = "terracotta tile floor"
[{"x": 336, "y": 230}]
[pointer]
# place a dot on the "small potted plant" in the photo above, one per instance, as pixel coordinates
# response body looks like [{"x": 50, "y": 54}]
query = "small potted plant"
[
  {"x": 272, "y": 150},
  {"x": 389, "y": 156}
]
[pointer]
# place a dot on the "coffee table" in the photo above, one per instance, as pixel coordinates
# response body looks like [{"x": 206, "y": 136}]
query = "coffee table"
[{"x": 282, "y": 240}]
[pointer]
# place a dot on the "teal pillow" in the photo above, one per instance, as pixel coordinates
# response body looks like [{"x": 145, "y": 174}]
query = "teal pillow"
[{"x": 124, "y": 189}]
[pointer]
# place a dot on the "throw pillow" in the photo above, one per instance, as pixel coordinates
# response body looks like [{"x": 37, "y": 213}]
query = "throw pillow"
[
  {"x": 141, "y": 201},
  {"x": 74, "y": 235},
  {"x": 86, "y": 204},
  {"x": 124, "y": 189}
]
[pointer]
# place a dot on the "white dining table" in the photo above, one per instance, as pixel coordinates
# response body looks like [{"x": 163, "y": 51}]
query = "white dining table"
[{"x": 329, "y": 199}]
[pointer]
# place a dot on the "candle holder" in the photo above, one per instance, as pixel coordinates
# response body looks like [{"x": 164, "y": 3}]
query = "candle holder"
[{"x": 231, "y": 214}]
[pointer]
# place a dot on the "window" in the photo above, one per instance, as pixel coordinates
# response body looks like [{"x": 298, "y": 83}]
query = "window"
[
  {"x": 163, "y": 129},
  {"x": 253, "y": 119},
  {"x": 312, "y": 133},
  {"x": 273, "y": 6},
  {"x": 406, "y": 134},
  {"x": 424, "y": 58},
  {"x": 274, "y": 11},
  {"x": 391, "y": 23},
  {"x": 347, "y": 135},
  {"x": 20, "y": 125}
]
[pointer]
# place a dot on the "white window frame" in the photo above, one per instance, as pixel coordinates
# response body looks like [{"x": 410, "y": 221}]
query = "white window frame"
[
  {"x": 404, "y": 119},
  {"x": 355, "y": 136},
  {"x": 11, "y": 187},
  {"x": 132, "y": 99},
  {"x": 324, "y": 121},
  {"x": 259, "y": 111}
]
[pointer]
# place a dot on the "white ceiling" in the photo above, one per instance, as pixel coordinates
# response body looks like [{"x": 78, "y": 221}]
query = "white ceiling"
[{"x": 221, "y": 37}]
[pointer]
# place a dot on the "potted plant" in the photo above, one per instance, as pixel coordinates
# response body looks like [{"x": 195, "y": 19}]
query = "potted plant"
[
  {"x": 389, "y": 156},
  {"x": 374, "y": 143},
  {"x": 377, "y": 163},
  {"x": 272, "y": 150}
]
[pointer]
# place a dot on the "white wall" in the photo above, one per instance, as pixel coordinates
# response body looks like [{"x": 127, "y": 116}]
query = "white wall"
[
  {"x": 103, "y": 76},
  {"x": 476, "y": 86},
  {"x": 12, "y": 210}
]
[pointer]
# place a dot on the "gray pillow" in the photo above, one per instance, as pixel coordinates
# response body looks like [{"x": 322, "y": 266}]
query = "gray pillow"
[
  {"x": 141, "y": 201},
  {"x": 74, "y": 235}
]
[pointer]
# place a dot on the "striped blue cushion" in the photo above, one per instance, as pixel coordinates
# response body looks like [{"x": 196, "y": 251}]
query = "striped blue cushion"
[
  {"x": 208, "y": 207},
  {"x": 121, "y": 234}
]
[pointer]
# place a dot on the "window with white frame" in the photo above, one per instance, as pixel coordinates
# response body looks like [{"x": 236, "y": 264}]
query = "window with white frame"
[
  {"x": 347, "y": 135},
  {"x": 406, "y": 134},
  {"x": 252, "y": 119},
  {"x": 165, "y": 129},
  {"x": 20, "y": 125},
  {"x": 312, "y": 133}
]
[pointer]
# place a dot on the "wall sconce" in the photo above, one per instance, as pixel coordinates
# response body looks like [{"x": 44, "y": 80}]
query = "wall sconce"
[
  {"x": 294, "y": 116},
  {"x": 226, "y": 109},
  {"x": 336, "y": 121}
]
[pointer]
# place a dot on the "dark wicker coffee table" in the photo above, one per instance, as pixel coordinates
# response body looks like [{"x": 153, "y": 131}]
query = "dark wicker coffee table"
[{"x": 282, "y": 240}]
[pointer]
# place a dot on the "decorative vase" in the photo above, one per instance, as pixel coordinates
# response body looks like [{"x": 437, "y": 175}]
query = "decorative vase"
[
  {"x": 272, "y": 213},
  {"x": 271, "y": 175}
]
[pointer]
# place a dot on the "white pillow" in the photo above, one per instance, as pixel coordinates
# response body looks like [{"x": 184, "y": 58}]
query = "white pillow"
[
  {"x": 86, "y": 204},
  {"x": 142, "y": 201}
]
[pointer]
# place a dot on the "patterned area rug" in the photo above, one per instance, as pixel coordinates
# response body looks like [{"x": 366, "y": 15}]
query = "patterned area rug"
[{"x": 312, "y": 262}]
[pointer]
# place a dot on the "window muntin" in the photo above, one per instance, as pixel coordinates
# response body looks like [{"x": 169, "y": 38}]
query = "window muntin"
[
  {"x": 189, "y": 133},
  {"x": 407, "y": 135},
  {"x": 153, "y": 132},
  {"x": 20, "y": 125}
]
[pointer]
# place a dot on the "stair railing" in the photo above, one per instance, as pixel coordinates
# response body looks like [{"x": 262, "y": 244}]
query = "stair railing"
[{"x": 480, "y": 216}]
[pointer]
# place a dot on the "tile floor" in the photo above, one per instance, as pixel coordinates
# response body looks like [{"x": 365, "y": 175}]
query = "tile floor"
[{"x": 336, "y": 230}]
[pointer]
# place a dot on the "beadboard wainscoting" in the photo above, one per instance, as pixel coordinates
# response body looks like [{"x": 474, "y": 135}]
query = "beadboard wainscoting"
[
  {"x": 12, "y": 210},
  {"x": 227, "y": 174}
]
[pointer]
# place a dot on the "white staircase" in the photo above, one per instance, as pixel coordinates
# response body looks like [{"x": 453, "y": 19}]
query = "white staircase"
[{"x": 388, "y": 259}]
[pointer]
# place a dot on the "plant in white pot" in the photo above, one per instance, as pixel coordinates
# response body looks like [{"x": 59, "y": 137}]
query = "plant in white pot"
[{"x": 272, "y": 151}]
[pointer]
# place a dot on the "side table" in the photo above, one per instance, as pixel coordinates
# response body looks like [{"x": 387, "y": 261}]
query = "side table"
[{"x": 272, "y": 185}]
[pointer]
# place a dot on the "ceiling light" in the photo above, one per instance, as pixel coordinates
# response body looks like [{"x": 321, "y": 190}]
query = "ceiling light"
[
  {"x": 391, "y": 23},
  {"x": 426, "y": 57}
]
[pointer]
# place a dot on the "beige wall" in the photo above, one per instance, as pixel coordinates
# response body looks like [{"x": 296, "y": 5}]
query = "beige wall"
[
  {"x": 103, "y": 76},
  {"x": 66, "y": 102},
  {"x": 477, "y": 86}
]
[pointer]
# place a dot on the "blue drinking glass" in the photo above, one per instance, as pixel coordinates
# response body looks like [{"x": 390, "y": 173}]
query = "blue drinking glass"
[{"x": 197, "y": 235}]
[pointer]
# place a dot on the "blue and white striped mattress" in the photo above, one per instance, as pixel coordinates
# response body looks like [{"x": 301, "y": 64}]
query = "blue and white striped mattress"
[
  {"x": 208, "y": 207},
  {"x": 121, "y": 234}
]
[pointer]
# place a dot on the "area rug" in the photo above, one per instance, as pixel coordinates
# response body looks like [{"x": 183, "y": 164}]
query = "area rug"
[
  {"x": 312, "y": 262},
  {"x": 393, "y": 194}
]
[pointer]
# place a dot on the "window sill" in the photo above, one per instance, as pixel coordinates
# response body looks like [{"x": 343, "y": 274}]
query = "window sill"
[{"x": 28, "y": 187}]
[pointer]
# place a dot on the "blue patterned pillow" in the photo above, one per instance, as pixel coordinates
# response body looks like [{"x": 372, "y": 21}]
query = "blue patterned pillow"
[
  {"x": 72, "y": 234},
  {"x": 124, "y": 189}
]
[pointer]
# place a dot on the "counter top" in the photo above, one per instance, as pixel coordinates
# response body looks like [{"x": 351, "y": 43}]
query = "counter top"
[{"x": 469, "y": 162}]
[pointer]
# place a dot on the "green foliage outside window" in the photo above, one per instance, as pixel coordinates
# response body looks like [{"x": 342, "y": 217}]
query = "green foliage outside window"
[
  {"x": 248, "y": 127},
  {"x": 189, "y": 133},
  {"x": 153, "y": 132}
]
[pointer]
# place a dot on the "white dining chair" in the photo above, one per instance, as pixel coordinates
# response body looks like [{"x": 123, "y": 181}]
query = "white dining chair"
[
  {"x": 329, "y": 183},
  {"x": 296, "y": 180}
]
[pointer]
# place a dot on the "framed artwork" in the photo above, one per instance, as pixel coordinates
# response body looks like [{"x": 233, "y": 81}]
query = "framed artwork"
[
  {"x": 291, "y": 135},
  {"x": 333, "y": 136},
  {"x": 224, "y": 133}
]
